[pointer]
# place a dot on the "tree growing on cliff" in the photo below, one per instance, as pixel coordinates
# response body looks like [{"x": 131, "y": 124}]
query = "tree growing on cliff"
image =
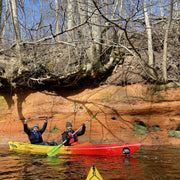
[{"x": 66, "y": 42}]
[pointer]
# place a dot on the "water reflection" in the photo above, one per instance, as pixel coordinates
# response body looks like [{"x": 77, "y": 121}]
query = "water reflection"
[
  {"x": 147, "y": 163},
  {"x": 109, "y": 167}
]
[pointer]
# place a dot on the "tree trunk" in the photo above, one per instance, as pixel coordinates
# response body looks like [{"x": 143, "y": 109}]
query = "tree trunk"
[
  {"x": 14, "y": 18},
  {"x": 15, "y": 22},
  {"x": 176, "y": 9},
  {"x": 120, "y": 32},
  {"x": 96, "y": 46},
  {"x": 57, "y": 19},
  {"x": 83, "y": 15},
  {"x": 0, "y": 13},
  {"x": 70, "y": 19},
  {"x": 4, "y": 24},
  {"x": 149, "y": 35},
  {"x": 161, "y": 8},
  {"x": 22, "y": 17},
  {"x": 38, "y": 32},
  {"x": 166, "y": 43}
]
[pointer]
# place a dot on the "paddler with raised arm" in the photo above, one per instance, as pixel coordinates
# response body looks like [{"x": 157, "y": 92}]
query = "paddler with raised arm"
[
  {"x": 35, "y": 136},
  {"x": 68, "y": 134}
]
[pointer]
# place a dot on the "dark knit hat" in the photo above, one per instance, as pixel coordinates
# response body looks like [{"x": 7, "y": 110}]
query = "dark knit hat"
[
  {"x": 36, "y": 125},
  {"x": 68, "y": 124}
]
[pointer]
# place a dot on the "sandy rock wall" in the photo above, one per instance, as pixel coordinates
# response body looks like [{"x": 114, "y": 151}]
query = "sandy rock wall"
[{"x": 134, "y": 113}]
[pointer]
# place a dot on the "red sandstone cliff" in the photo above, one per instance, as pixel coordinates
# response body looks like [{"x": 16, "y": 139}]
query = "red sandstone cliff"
[{"x": 134, "y": 113}]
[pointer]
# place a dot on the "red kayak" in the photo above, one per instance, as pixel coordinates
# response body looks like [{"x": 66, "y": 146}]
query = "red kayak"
[
  {"x": 86, "y": 148},
  {"x": 104, "y": 149}
]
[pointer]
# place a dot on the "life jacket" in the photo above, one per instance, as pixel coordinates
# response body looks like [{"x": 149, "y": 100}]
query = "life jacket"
[
  {"x": 73, "y": 138},
  {"x": 35, "y": 139}
]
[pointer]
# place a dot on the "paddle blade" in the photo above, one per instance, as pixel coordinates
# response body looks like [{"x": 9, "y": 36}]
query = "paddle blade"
[
  {"x": 94, "y": 115},
  {"x": 54, "y": 150}
]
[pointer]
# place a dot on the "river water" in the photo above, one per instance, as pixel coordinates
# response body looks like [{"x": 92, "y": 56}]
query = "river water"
[{"x": 147, "y": 163}]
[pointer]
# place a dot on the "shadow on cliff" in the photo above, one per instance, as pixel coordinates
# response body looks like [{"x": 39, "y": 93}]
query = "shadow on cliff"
[
  {"x": 8, "y": 97},
  {"x": 21, "y": 96}
]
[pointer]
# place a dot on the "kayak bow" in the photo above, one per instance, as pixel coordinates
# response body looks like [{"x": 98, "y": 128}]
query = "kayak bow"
[{"x": 94, "y": 174}]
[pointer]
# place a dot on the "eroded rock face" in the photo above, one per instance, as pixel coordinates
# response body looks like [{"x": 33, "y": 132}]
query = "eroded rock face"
[{"x": 135, "y": 113}]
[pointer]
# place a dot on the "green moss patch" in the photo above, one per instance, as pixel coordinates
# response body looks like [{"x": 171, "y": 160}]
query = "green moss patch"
[
  {"x": 123, "y": 127},
  {"x": 54, "y": 129},
  {"x": 2, "y": 99},
  {"x": 155, "y": 128},
  {"x": 173, "y": 133},
  {"x": 140, "y": 128}
]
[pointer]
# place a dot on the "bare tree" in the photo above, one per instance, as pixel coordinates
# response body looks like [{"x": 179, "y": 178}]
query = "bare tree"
[
  {"x": 96, "y": 35},
  {"x": 38, "y": 30},
  {"x": 3, "y": 27},
  {"x": 161, "y": 8},
  {"x": 57, "y": 19},
  {"x": 14, "y": 18},
  {"x": 70, "y": 19},
  {"x": 83, "y": 17},
  {"x": 15, "y": 22},
  {"x": 149, "y": 35},
  {"x": 90, "y": 34},
  {"x": 0, "y": 12},
  {"x": 166, "y": 41}
]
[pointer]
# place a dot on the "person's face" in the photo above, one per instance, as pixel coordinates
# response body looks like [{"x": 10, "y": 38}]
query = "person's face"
[
  {"x": 69, "y": 128},
  {"x": 35, "y": 129}
]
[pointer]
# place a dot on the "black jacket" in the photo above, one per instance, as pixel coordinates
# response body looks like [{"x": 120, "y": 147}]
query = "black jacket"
[
  {"x": 32, "y": 136},
  {"x": 79, "y": 133}
]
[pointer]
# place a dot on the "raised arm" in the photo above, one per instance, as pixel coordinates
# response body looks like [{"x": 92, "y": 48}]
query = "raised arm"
[
  {"x": 44, "y": 126},
  {"x": 80, "y": 133},
  {"x": 26, "y": 130}
]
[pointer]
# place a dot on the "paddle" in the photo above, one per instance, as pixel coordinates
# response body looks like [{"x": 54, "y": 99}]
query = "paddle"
[
  {"x": 56, "y": 149},
  {"x": 33, "y": 118}
]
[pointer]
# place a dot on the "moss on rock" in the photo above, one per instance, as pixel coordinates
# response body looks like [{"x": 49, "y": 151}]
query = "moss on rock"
[
  {"x": 155, "y": 128},
  {"x": 173, "y": 133},
  {"x": 140, "y": 128}
]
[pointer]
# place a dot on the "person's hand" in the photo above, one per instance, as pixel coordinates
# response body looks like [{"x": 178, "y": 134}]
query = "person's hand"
[
  {"x": 46, "y": 118},
  {"x": 25, "y": 121}
]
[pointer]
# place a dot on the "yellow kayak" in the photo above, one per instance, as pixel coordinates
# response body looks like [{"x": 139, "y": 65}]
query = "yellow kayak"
[
  {"x": 85, "y": 148},
  {"x": 32, "y": 148},
  {"x": 94, "y": 174}
]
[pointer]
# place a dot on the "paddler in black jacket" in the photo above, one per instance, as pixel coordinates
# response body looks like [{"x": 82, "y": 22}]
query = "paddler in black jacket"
[
  {"x": 67, "y": 135},
  {"x": 35, "y": 136}
]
